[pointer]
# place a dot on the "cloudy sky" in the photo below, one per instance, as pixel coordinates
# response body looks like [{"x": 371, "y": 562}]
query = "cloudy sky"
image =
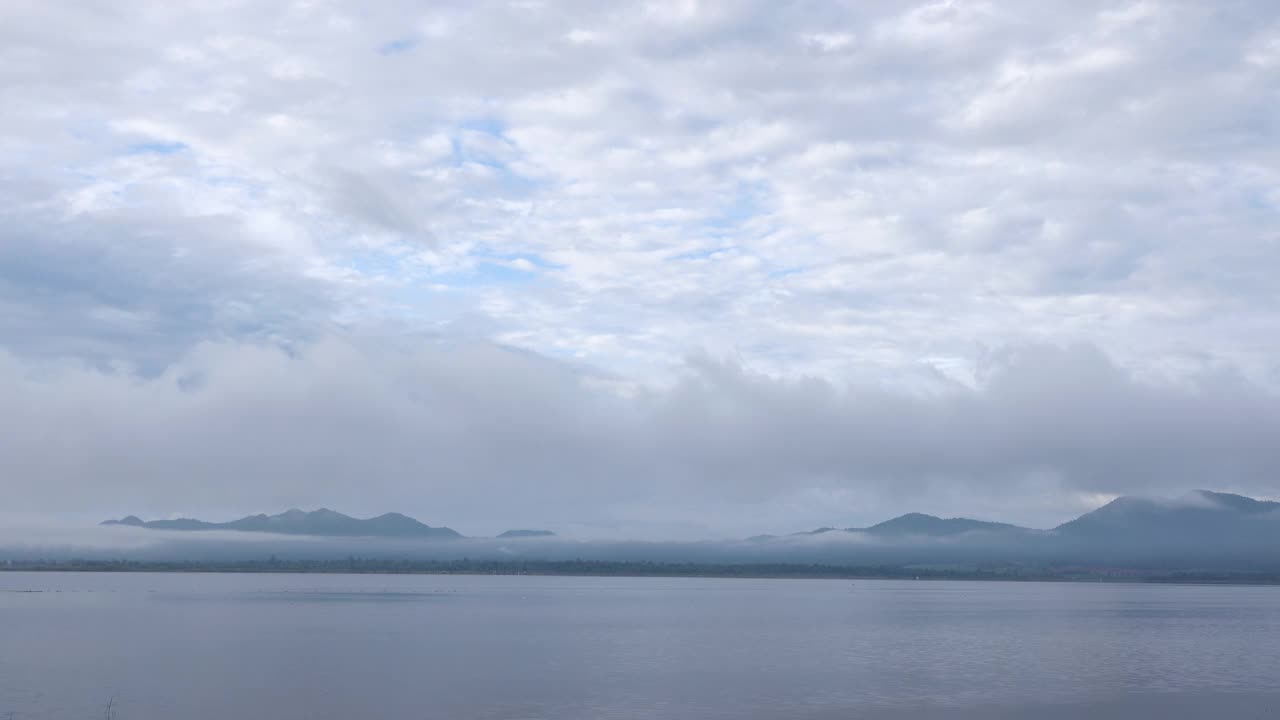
[{"x": 685, "y": 269}]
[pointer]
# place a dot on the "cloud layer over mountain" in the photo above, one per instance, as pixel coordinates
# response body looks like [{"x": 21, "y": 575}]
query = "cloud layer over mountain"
[{"x": 482, "y": 437}]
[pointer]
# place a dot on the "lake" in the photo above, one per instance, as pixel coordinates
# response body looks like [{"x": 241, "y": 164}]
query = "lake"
[{"x": 208, "y": 646}]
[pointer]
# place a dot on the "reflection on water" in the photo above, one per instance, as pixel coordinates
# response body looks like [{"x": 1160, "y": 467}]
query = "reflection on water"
[{"x": 331, "y": 646}]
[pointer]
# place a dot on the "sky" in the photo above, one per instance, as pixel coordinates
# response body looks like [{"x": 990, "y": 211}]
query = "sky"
[{"x": 636, "y": 270}]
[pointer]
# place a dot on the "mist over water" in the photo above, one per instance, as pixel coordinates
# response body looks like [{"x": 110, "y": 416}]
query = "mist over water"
[
  {"x": 330, "y": 646},
  {"x": 1145, "y": 535}
]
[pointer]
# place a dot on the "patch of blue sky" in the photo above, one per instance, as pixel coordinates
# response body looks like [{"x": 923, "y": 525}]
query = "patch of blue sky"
[
  {"x": 487, "y": 124},
  {"x": 701, "y": 254},
  {"x": 1257, "y": 199},
  {"x": 155, "y": 148},
  {"x": 510, "y": 182},
  {"x": 742, "y": 207},
  {"x": 375, "y": 263},
  {"x": 534, "y": 260},
  {"x": 424, "y": 302},
  {"x": 485, "y": 274},
  {"x": 786, "y": 271},
  {"x": 398, "y": 46},
  {"x": 488, "y": 273},
  {"x": 462, "y": 158},
  {"x": 495, "y": 270},
  {"x": 463, "y": 155}
]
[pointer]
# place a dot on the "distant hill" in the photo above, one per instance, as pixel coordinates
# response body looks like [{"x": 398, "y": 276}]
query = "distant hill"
[
  {"x": 931, "y": 526},
  {"x": 920, "y": 525},
  {"x": 527, "y": 534},
  {"x": 1200, "y": 518},
  {"x": 323, "y": 522}
]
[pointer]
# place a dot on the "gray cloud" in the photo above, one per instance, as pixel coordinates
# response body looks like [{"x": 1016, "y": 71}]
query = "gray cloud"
[
  {"x": 143, "y": 286},
  {"x": 481, "y": 438}
]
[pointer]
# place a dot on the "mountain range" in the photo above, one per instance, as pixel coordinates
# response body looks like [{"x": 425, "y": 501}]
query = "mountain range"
[
  {"x": 1197, "y": 518},
  {"x": 526, "y": 534},
  {"x": 1198, "y": 521},
  {"x": 322, "y": 522},
  {"x": 920, "y": 525}
]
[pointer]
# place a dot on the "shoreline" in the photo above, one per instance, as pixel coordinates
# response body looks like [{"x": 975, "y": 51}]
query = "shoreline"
[{"x": 640, "y": 569}]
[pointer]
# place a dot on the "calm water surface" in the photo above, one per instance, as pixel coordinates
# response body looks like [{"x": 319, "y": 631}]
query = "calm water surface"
[{"x": 333, "y": 646}]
